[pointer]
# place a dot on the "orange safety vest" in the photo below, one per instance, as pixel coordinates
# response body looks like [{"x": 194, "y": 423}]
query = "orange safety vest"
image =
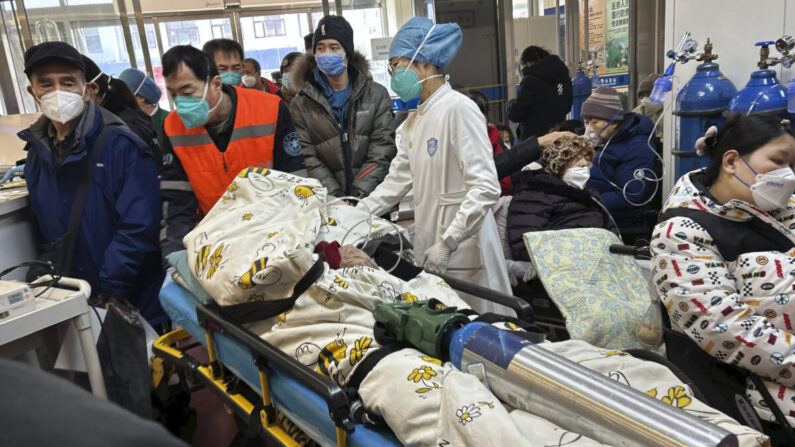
[{"x": 209, "y": 170}]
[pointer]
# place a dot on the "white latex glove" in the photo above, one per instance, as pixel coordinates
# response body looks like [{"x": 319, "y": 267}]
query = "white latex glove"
[
  {"x": 530, "y": 272},
  {"x": 523, "y": 270},
  {"x": 437, "y": 257}
]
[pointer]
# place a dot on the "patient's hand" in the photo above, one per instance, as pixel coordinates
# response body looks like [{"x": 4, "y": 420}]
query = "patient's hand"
[{"x": 351, "y": 256}]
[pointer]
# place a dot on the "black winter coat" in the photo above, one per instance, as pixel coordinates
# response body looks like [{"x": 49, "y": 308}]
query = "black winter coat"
[
  {"x": 544, "y": 97},
  {"x": 542, "y": 201}
]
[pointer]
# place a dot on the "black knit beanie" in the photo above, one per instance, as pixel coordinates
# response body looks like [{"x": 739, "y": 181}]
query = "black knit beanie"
[{"x": 334, "y": 27}]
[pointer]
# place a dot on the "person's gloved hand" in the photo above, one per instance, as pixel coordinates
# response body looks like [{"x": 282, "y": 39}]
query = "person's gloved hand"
[
  {"x": 437, "y": 257},
  {"x": 523, "y": 270},
  {"x": 530, "y": 272},
  {"x": 11, "y": 173}
]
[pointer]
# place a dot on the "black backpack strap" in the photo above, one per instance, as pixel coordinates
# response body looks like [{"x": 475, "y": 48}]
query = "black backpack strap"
[
  {"x": 68, "y": 244},
  {"x": 367, "y": 365},
  {"x": 735, "y": 238},
  {"x": 262, "y": 310}
]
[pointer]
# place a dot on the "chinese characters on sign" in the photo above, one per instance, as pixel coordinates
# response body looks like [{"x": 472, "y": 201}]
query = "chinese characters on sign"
[{"x": 608, "y": 39}]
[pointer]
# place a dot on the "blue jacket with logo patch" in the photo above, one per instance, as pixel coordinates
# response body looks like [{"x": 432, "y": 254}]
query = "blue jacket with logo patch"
[{"x": 117, "y": 248}]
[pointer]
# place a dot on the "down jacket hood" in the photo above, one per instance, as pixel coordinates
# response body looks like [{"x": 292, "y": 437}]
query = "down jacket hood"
[
  {"x": 632, "y": 125},
  {"x": 691, "y": 192},
  {"x": 304, "y": 65},
  {"x": 551, "y": 69}
]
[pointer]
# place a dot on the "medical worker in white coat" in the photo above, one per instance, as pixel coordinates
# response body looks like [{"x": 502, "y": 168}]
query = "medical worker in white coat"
[{"x": 444, "y": 153}]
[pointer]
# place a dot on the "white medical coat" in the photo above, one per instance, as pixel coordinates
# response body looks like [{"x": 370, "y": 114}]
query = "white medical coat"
[{"x": 444, "y": 153}]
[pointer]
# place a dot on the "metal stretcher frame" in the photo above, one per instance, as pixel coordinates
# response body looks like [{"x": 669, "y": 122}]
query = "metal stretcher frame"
[{"x": 212, "y": 376}]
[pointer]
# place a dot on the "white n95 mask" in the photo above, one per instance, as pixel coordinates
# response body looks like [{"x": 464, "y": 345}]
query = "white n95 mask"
[
  {"x": 577, "y": 176},
  {"x": 249, "y": 81},
  {"x": 773, "y": 189},
  {"x": 62, "y": 107}
]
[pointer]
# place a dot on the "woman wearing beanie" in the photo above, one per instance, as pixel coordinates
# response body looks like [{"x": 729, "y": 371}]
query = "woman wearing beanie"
[
  {"x": 556, "y": 197},
  {"x": 648, "y": 108},
  {"x": 343, "y": 118},
  {"x": 623, "y": 155}
]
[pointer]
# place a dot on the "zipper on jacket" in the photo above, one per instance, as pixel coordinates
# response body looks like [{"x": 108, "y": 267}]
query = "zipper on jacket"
[{"x": 223, "y": 158}]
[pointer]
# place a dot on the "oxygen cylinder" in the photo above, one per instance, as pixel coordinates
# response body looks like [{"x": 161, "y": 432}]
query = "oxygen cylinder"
[
  {"x": 791, "y": 97},
  {"x": 699, "y": 104},
  {"x": 763, "y": 94},
  {"x": 529, "y": 377},
  {"x": 581, "y": 90}
]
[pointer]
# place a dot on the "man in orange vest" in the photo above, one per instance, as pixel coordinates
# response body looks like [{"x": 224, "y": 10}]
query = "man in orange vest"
[{"x": 216, "y": 131}]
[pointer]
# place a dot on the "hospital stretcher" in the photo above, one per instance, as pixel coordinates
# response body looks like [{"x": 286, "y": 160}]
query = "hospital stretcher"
[{"x": 262, "y": 384}]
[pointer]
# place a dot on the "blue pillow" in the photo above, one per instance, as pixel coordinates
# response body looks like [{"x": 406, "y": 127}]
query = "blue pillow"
[{"x": 179, "y": 260}]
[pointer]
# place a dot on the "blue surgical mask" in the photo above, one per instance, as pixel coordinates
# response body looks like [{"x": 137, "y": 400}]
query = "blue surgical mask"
[
  {"x": 231, "y": 78},
  {"x": 194, "y": 111},
  {"x": 331, "y": 64}
]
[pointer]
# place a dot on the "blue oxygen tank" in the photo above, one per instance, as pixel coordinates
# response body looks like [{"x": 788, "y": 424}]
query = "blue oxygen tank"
[
  {"x": 701, "y": 103},
  {"x": 763, "y": 94},
  {"x": 581, "y": 90}
]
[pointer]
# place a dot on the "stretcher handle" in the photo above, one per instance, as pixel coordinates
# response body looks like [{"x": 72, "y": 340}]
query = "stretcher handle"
[
  {"x": 642, "y": 252},
  {"x": 524, "y": 311},
  {"x": 335, "y": 397}
]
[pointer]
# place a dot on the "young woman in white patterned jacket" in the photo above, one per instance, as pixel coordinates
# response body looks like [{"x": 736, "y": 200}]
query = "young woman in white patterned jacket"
[{"x": 724, "y": 257}]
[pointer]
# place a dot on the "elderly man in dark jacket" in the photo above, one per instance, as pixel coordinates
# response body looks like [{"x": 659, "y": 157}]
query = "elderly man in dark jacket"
[
  {"x": 545, "y": 95},
  {"x": 343, "y": 118},
  {"x": 116, "y": 242}
]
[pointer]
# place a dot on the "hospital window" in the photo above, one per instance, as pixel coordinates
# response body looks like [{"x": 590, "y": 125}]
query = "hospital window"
[
  {"x": 151, "y": 38},
  {"x": 182, "y": 33},
  {"x": 221, "y": 29},
  {"x": 521, "y": 9},
  {"x": 93, "y": 41},
  {"x": 269, "y": 38},
  {"x": 273, "y": 27},
  {"x": 316, "y": 16},
  {"x": 86, "y": 2}
]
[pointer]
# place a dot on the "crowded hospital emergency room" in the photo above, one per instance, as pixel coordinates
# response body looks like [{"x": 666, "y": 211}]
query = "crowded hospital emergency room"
[{"x": 538, "y": 223}]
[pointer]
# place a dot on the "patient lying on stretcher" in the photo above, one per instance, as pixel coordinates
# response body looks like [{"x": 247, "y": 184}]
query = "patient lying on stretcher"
[{"x": 260, "y": 239}]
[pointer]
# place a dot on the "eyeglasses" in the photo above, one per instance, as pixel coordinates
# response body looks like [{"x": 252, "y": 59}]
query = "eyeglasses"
[{"x": 393, "y": 66}]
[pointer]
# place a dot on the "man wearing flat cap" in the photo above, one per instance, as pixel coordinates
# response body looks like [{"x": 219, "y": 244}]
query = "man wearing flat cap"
[{"x": 79, "y": 155}]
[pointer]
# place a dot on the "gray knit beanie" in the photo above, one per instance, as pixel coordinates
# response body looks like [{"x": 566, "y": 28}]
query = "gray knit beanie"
[{"x": 604, "y": 103}]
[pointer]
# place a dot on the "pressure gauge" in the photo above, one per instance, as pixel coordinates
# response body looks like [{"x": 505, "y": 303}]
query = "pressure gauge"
[{"x": 785, "y": 44}]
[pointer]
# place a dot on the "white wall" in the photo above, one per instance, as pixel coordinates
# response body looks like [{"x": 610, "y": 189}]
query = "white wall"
[{"x": 733, "y": 26}]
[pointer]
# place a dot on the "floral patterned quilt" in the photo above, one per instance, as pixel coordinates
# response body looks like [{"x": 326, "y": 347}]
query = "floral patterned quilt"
[{"x": 603, "y": 296}]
